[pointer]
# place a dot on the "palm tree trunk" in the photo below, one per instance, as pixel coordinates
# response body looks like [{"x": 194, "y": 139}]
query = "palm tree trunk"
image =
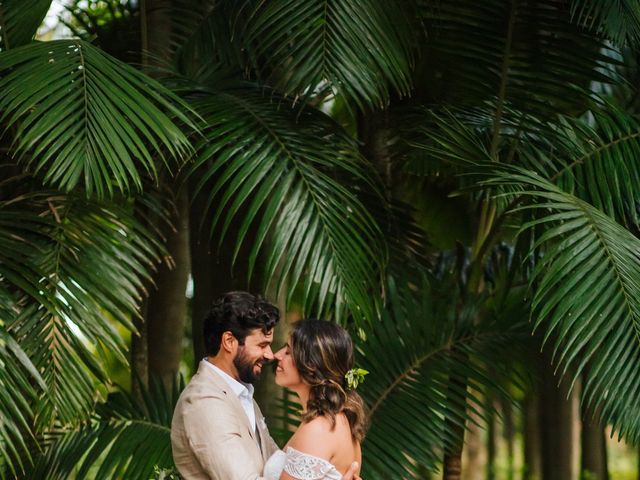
[
  {"x": 167, "y": 308},
  {"x": 557, "y": 427},
  {"x": 594, "y": 450},
  {"x": 452, "y": 465},
  {"x": 509, "y": 436},
  {"x": 475, "y": 452},
  {"x": 452, "y": 461},
  {"x": 203, "y": 272},
  {"x": 155, "y": 28},
  {"x": 212, "y": 270},
  {"x": 139, "y": 356},
  {"x": 491, "y": 440},
  {"x": 593, "y": 446},
  {"x": 532, "y": 436}
]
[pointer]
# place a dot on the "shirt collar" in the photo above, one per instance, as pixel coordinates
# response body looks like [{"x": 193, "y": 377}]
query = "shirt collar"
[{"x": 240, "y": 389}]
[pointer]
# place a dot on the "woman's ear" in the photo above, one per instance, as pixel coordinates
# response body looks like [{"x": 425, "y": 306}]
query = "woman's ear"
[{"x": 229, "y": 343}]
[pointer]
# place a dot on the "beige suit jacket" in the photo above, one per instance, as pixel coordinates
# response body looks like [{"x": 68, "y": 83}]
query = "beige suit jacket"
[{"x": 211, "y": 437}]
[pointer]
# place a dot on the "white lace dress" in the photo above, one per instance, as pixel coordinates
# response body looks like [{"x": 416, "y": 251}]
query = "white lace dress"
[{"x": 299, "y": 465}]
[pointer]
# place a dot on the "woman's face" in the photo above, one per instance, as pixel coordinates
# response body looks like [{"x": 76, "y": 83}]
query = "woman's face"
[{"x": 287, "y": 374}]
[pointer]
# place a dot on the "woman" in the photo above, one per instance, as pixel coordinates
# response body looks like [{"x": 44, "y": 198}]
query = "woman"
[{"x": 314, "y": 364}]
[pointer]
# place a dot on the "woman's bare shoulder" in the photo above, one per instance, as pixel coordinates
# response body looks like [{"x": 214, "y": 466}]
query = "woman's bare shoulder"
[{"x": 319, "y": 437}]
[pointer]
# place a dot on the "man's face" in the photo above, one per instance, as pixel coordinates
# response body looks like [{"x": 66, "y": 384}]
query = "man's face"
[{"x": 251, "y": 356}]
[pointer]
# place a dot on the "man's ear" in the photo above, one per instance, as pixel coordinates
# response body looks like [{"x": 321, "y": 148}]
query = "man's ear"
[{"x": 229, "y": 343}]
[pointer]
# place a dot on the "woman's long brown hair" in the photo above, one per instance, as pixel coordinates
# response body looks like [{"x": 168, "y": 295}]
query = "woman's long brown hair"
[{"x": 323, "y": 354}]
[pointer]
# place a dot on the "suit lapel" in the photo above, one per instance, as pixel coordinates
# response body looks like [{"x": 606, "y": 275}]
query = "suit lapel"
[
  {"x": 230, "y": 396},
  {"x": 261, "y": 426}
]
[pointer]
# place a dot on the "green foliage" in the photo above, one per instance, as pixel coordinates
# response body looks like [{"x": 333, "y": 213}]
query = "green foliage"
[
  {"x": 528, "y": 53},
  {"x": 125, "y": 438},
  {"x": 211, "y": 29},
  {"x": 586, "y": 298},
  {"x": 19, "y": 20},
  {"x": 413, "y": 352},
  {"x": 21, "y": 384},
  {"x": 617, "y": 19},
  {"x": 361, "y": 48},
  {"x": 72, "y": 115},
  {"x": 596, "y": 159},
  {"x": 62, "y": 318},
  {"x": 512, "y": 119},
  {"x": 290, "y": 171}
]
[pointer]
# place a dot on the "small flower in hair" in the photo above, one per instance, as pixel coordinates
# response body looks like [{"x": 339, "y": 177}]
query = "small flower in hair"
[{"x": 354, "y": 377}]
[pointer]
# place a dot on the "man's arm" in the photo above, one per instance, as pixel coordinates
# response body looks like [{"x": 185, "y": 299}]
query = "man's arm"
[{"x": 214, "y": 436}]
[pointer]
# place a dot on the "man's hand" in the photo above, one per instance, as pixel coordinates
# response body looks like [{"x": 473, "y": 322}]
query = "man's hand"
[{"x": 352, "y": 473}]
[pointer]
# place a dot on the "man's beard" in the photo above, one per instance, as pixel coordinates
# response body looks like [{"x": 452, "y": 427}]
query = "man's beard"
[{"x": 245, "y": 367}]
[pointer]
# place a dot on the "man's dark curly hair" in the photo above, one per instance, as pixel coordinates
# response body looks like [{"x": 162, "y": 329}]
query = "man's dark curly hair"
[{"x": 238, "y": 313}]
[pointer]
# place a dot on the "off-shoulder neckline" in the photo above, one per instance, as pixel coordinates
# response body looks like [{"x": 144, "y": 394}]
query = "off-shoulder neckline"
[{"x": 287, "y": 448}]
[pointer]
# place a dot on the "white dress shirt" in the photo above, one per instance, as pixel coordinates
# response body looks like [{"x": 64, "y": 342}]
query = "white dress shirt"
[{"x": 244, "y": 392}]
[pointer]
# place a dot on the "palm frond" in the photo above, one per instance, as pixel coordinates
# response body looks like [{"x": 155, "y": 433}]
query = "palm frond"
[
  {"x": 84, "y": 118},
  {"x": 586, "y": 298},
  {"x": 19, "y": 20},
  {"x": 209, "y": 32},
  {"x": 363, "y": 49},
  {"x": 21, "y": 385},
  {"x": 619, "y": 20},
  {"x": 92, "y": 260},
  {"x": 447, "y": 141},
  {"x": 289, "y": 170},
  {"x": 524, "y": 53},
  {"x": 596, "y": 158},
  {"x": 412, "y": 353},
  {"x": 125, "y": 438},
  {"x": 287, "y": 417}
]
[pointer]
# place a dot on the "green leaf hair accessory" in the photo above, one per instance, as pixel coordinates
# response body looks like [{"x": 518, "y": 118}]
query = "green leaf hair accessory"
[{"x": 354, "y": 377}]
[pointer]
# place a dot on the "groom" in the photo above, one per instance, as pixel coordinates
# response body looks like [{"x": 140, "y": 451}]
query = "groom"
[{"x": 218, "y": 431}]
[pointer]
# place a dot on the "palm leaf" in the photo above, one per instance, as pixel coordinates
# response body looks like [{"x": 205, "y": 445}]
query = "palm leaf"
[
  {"x": 84, "y": 118},
  {"x": 286, "y": 419},
  {"x": 92, "y": 260},
  {"x": 21, "y": 384},
  {"x": 19, "y": 20},
  {"x": 363, "y": 49},
  {"x": 448, "y": 142},
  {"x": 289, "y": 170},
  {"x": 619, "y": 20},
  {"x": 208, "y": 32},
  {"x": 413, "y": 351},
  {"x": 596, "y": 158},
  {"x": 586, "y": 298},
  {"x": 125, "y": 438},
  {"x": 527, "y": 54}
]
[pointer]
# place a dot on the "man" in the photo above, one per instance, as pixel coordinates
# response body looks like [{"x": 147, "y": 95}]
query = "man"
[{"x": 218, "y": 431}]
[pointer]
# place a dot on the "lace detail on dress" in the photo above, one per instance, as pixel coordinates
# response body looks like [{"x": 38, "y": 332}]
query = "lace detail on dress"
[
  {"x": 306, "y": 467},
  {"x": 299, "y": 465}
]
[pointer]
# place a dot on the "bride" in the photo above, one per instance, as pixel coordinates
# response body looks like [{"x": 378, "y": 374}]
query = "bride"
[{"x": 316, "y": 363}]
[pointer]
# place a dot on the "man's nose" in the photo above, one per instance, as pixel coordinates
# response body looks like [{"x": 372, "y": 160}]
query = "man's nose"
[{"x": 268, "y": 354}]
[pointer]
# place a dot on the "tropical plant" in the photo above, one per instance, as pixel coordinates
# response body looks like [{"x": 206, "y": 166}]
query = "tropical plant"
[
  {"x": 509, "y": 109},
  {"x": 414, "y": 350},
  {"x": 108, "y": 445}
]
